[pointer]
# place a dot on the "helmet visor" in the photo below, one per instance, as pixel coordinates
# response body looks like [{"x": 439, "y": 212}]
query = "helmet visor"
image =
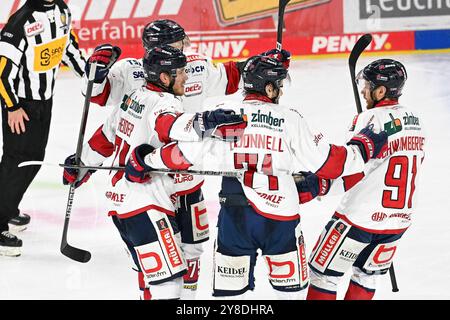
[
  {"x": 362, "y": 83},
  {"x": 186, "y": 42}
]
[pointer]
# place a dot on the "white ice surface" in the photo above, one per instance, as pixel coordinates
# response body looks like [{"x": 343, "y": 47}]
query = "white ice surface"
[{"x": 321, "y": 90}]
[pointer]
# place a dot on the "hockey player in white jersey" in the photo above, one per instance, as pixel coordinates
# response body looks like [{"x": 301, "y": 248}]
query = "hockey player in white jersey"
[
  {"x": 377, "y": 209},
  {"x": 205, "y": 79},
  {"x": 260, "y": 210},
  {"x": 140, "y": 206}
]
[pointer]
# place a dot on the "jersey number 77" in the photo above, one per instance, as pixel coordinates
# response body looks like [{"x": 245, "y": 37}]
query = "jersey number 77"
[{"x": 251, "y": 159}]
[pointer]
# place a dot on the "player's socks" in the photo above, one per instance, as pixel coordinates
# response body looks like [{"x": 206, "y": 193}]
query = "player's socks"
[
  {"x": 315, "y": 293},
  {"x": 145, "y": 292},
  {"x": 357, "y": 292},
  {"x": 190, "y": 279}
]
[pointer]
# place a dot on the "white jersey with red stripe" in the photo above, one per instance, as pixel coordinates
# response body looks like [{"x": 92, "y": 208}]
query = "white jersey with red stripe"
[
  {"x": 276, "y": 143},
  {"x": 382, "y": 198},
  {"x": 145, "y": 116},
  {"x": 205, "y": 79}
]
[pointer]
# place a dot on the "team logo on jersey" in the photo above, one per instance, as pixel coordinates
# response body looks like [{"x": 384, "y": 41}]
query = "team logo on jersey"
[
  {"x": 49, "y": 55},
  {"x": 34, "y": 29},
  {"x": 394, "y": 126},
  {"x": 238, "y": 11}
]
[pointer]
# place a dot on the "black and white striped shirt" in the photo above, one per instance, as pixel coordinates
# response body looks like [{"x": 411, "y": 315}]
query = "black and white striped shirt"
[{"x": 34, "y": 42}]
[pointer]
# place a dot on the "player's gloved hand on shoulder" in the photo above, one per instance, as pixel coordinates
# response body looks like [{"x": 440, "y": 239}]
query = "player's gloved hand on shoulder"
[
  {"x": 283, "y": 56},
  {"x": 370, "y": 144},
  {"x": 221, "y": 124},
  {"x": 311, "y": 186},
  {"x": 136, "y": 170},
  {"x": 77, "y": 176},
  {"x": 105, "y": 55}
]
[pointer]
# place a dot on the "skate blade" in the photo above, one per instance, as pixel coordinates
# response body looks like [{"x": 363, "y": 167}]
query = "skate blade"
[
  {"x": 14, "y": 228},
  {"x": 10, "y": 252}
]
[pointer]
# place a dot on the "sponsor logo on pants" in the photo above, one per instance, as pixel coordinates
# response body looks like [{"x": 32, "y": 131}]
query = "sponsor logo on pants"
[{"x": 330, "y": 244}]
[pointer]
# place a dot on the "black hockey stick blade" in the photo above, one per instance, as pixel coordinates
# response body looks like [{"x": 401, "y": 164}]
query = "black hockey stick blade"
[
  {"x": 393, "y": 279},
  {"x": 76, "y": 254},
  {"x": 66, "y": 249},
  {"x": 359, "y": 47},
  {"x": 281, "y": 8}
]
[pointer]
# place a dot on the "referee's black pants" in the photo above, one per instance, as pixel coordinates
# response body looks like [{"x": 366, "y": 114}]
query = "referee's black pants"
[{"x": 17, "y": 148}]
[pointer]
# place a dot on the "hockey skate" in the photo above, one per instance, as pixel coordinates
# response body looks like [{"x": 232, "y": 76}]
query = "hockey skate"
[
  {"x": 19, "y": 223},
  {"x": 10, "y": 245}
]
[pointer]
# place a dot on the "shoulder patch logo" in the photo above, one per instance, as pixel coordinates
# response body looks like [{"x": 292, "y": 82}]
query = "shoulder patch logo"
[{"x": 63, "y": 19}]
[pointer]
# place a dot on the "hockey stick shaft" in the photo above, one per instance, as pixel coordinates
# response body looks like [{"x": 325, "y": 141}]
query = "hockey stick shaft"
[
  {"x": 393, "y": 278},
  {"x": 232, "y": 174},
  {"x": 281, "y": 8},
  {"x": 66, "y": 249},
  {"x": 357, "y": 50}
]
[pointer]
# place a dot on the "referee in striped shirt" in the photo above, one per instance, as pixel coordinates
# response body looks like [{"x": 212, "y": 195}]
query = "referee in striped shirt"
[{"x": 33, "y": 44}]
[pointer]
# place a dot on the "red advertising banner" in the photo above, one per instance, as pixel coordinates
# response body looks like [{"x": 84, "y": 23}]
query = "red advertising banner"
[
  {"x": 222, "y": 29},
  {"x": 217, "y": 28}
]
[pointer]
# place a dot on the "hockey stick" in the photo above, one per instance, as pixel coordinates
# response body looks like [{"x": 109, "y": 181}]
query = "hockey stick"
[
  {"x": 281, "y": 8},
  {"x": 393, "y": 278},
  {"x": 359, "y": 47},
  {"x": 231, "y": 174},
  {"x": 69, "y": 251}
]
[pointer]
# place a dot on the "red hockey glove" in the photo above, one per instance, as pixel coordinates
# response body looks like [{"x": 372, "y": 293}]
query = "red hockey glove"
[
  {"x": 311, "y": 187},
  {"x": 77, "y": 176},
  {"x": 136, "y": 170},
  {"x": 105, "y": 55},
  {"x": 221, "y": 124},
  {"x": 283, "y": 56},
  {"x": 369, "y": 143}
]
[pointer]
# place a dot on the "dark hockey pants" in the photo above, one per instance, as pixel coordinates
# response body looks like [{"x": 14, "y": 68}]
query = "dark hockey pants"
[{"x": 17, "y": 148}]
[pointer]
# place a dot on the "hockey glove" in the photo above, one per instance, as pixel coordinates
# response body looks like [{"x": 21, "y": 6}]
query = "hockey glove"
[
  {"x": 311, "y": 187},
  {"x": 369, "y": 143},
  {"x": 136, "y": 170},
  {"x": 105, "y": 55},
  {"x": 221, "y": 124},
  {"x": 283, "y": 56},
  {"x": 77, "y": 176}
]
